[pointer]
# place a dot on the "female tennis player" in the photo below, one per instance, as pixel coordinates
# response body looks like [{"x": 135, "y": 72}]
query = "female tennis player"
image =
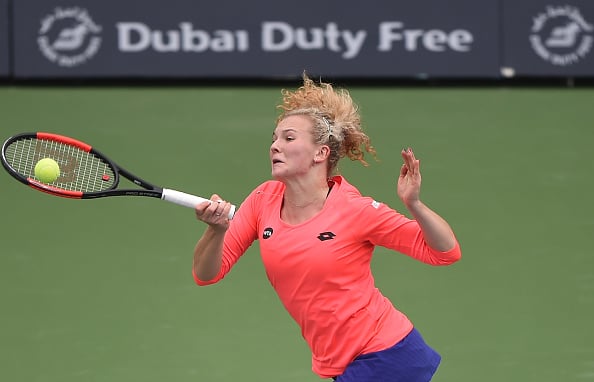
[{"x": 317, "y": 235}]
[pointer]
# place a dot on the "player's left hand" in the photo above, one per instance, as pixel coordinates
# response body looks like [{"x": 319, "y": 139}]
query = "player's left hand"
[{"x": 409, "y": 181}]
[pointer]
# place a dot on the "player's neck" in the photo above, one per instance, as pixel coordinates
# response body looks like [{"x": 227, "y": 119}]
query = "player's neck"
[
  {"x": 301, "y": 204},
  {"x": 305, "y": 194},
  {"x": 305, "y": 203},
  {"x": 297, "y": 214}
]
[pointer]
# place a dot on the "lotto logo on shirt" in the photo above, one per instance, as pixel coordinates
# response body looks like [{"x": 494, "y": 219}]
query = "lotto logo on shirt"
[{"x": 326, "y": 236}]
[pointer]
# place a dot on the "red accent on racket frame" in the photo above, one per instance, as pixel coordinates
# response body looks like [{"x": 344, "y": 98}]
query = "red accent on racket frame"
[
  {"x": 67, "y": 140},
  {"x": 54, "y": 190}
]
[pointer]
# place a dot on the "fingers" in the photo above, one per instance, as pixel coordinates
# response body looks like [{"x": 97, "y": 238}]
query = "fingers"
[
  {"x": 215, "y": 211},
  {"x": 221, "y": 209},
  {"x": 411, "y": 163},
  {"x": 403, "y": 170},
  {"x": 409, "y": 182}
]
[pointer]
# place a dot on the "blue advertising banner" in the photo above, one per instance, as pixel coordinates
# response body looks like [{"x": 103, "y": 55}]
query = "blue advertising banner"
[
  {"x": 548, "y": 38},
  {"x": 256, "y": 39},
  {"x": 4, "y": 39}
]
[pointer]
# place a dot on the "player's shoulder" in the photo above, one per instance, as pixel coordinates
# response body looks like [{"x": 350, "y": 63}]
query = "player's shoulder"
[
  {"x": 270, "y": 189},
  {"x": 271, "y": 185},
  {"x": 346, "y": 189},
  {"x": 352, "y": 196},
  {"x": 263, "y": 196},
  {"x": 348, "y": 192}
]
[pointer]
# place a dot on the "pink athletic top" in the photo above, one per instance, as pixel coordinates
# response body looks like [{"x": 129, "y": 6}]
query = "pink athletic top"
[{"x": 321, "y": 272}]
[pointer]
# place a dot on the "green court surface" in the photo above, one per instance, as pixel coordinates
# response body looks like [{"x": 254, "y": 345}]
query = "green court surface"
[{"x": 101, "y": 290}]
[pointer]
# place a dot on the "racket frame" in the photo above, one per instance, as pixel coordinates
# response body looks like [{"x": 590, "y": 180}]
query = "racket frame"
[{"x": 148, "y": 189}]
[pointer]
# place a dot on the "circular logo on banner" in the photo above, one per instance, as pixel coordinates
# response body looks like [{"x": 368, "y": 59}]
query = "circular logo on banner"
[
  {"x": 69, "y": 37},
  {"x": 561, "y": 35}
]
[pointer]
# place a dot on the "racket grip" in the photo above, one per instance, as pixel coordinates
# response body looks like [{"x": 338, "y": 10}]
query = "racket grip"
[{"x": 188, "y": 200}]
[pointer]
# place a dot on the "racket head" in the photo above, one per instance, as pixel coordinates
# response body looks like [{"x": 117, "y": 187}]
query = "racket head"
[{"x": 84, "y": 172}]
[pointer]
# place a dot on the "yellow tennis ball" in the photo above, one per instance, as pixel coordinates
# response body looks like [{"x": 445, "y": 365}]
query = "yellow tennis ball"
[{"x": 47, "y": 170}]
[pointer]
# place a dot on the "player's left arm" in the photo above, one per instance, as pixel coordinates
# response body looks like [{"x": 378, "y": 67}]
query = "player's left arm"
[{"x": 436, "y": 231}]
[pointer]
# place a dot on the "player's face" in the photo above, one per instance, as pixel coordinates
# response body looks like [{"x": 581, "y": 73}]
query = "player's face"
[{"x": 292, "y": 151}]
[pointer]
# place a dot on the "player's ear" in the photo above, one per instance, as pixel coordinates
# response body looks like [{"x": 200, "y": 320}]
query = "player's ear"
[{"x": 322, "y": 154}]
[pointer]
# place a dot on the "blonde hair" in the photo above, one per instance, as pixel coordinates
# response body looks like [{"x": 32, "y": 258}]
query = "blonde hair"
[{"x": 335, "y": 117}]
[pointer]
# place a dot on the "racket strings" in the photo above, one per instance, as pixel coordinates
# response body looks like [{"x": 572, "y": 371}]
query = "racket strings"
[{"x": 79, "y": 170}]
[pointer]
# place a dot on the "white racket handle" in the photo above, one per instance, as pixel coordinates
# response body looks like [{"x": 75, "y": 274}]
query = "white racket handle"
[{"x": 188, "y": 200}]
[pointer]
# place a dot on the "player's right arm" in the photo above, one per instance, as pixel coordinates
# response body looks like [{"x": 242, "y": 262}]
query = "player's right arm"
[
  {"x": 208, "y": 252},
  {"x": 224, "y": 241}
]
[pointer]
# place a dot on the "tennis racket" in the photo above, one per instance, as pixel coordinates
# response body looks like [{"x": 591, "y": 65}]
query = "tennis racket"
[{"x": 85, "y": 173}]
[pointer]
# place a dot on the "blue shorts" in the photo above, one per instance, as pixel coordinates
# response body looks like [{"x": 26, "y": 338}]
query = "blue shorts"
[{"x": 410, "y": 360}]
